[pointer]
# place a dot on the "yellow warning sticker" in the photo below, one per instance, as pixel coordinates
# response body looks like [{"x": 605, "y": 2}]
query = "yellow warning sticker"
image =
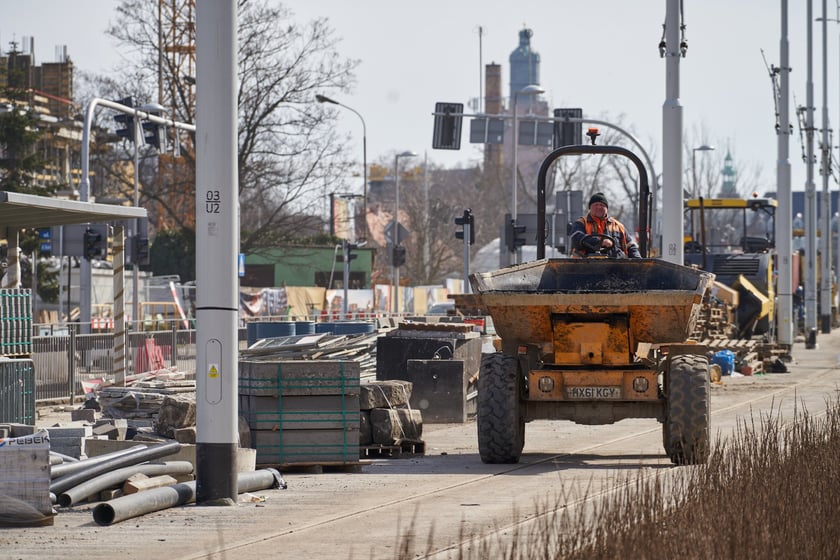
[{"x": 213, "y": 371}]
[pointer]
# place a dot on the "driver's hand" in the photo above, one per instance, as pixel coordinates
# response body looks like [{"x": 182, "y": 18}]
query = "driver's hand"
[{"x": 606, "y": 243}]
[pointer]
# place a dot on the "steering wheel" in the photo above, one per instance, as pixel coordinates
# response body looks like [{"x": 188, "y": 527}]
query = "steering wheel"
[{"x": 592, "y": 244}]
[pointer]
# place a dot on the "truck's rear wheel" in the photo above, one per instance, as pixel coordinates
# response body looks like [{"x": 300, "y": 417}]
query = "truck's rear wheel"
[
  {"x": 501, "y": 423},
  {"x": 686, "y": 433}
]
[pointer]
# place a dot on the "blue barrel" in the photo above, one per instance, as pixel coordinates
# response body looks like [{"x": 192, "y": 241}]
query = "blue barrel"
[
  {"x": 271, "y": 329},
  {"x": 324, "y": 327},
  {"x": 726, "y": 360},
  {"x": 304, "y": 327},
  {"x": 353, "y": 327}
]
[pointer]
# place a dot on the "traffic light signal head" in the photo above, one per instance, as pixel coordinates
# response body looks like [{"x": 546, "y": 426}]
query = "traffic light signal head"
[
  {"x": 140, "y": 255},
  {"x": 466, "y": 220},
  {"x": 125, "y": 120},
  {"x": 399, "y": 255},
  {"x": 514, "y": 236},
  {"x": 153, "y": 134},
  {"x": 126, "y": 128},
  {"x": 95, "y": 242},
  {"x": 447, "y": 126}
]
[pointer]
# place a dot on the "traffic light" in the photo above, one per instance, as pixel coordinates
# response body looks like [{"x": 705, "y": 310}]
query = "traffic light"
[
  {"x": 154, "y": 134},
  {"x": 466, "y": 220},
  {"x": 347, "y": 252},
  {"x": 398, "y": 258},
  {"x": 125, "y": 120},
  {"x": 567, "y": 133},
  {"x": 140, "y": 243},
  {"x": 95, "y": 242},
  {"x": 127, "y": 123},
  {"x": 447, "y": 126},
  {"x": 140, "y": 254},
  {"x": 514, "y": 231}
]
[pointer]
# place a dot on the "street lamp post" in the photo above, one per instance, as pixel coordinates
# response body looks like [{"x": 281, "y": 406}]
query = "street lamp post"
[
  {"x": 324, "y": 99},
  {"x": 531, "y": 89},
  {"x": 396, "y": 234},
  {"x": 703, "y": 148}
]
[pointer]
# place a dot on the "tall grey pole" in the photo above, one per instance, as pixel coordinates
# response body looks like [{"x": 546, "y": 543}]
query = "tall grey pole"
[
  {"x": 825, "y": 220},
  {"x": 515, "y": 144},
  {"x": 810, "y": 190},
  {"x": 135, "y": 268},
  {"x": 784, "y": 218},
  {"x": 672, "y": 126},
  {"x": 396, "y": 269},
  {"x": 467, "y": 241},
  {"x": 426, "y": 225},
  {"x": 345, "y": 258},
  {"x": 217, "y": 248}
]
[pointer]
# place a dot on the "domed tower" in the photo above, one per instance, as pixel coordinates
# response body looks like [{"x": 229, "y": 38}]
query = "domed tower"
[{"x": 524, "y": 66}]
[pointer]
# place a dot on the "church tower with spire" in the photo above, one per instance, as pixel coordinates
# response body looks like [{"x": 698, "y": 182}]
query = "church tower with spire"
[{"x": 728, "y": 188}]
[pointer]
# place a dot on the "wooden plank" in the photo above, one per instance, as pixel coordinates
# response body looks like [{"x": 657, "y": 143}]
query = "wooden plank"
[{"x": 135, "y": 486}]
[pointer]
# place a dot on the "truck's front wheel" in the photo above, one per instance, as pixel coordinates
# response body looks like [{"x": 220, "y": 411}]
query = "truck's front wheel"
[
  {"x": 501, "y": 423},
  {"x": 686, "y": 432}
]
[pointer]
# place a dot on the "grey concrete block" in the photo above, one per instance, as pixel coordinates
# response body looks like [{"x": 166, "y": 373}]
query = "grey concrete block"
[
  {"x": 83, "y": 415},
  {"x": 384, "y": 394},
  {"x": 80, "y": 431},
  {"x": 389, "y": 425}
]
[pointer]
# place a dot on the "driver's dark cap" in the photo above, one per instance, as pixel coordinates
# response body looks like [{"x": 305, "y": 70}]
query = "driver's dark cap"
[{"x": 598, "y": 197}]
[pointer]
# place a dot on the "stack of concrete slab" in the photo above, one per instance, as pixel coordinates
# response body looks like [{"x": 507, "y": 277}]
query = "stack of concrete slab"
[
  {"x": 301, "y": 412},
  {"x": 386, "y": 418},
  {"x": 70, "y": 440},
  {"x": 15, "y": 322}
]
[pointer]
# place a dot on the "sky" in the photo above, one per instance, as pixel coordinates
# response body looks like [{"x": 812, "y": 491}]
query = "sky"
[{"x": 601, "y": 56}]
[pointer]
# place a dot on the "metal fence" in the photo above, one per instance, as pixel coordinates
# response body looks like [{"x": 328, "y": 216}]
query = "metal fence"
[
  {"x": 17, "y": 391},
  {"x": 66, "y": 360}
]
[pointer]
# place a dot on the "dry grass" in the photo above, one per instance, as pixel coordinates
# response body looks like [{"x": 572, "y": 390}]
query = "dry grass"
[{"x": 770, "y": 491}]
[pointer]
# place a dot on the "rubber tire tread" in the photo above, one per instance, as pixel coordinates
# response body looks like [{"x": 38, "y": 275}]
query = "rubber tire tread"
[
  {"x": 501, "y": 424},
  {"x": 686, "y": 432}
]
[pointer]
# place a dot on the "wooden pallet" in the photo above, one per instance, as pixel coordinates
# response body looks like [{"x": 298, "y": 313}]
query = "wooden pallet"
[
  {"x": 317, "y": 468},
  {"x": 404, "y": 448}
]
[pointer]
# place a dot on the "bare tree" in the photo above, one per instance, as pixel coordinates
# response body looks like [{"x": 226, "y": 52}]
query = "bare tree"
[{"x": 288, "y": 152}]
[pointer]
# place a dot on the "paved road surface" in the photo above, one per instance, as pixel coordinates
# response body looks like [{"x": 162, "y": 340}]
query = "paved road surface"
[{"x": 360, "y": 514}]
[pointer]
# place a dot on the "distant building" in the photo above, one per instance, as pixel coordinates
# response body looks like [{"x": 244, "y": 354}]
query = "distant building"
[
  {"x": 729, "y": 186},
  {"x": 48, "y": 90}
]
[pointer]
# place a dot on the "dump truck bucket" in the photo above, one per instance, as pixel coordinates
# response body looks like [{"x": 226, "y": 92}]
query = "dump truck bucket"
[{"x": 661, "y": 300}]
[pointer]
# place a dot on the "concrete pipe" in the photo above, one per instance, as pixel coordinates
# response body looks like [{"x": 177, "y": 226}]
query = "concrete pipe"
[
  {"x": 126, "y": 507},
  {"x": 140, "y": 456},
  {"x": 69, "y": 468},
  {"x": 117, "y": 477}
]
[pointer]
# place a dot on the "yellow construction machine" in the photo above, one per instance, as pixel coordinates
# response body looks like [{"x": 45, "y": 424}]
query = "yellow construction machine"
[{"x": 734, "y": 239}]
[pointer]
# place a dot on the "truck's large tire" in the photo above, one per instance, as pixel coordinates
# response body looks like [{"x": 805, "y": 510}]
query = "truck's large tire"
[
  {"x": 500, "y": 419},
  {"x": 686, "y": 432}
]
